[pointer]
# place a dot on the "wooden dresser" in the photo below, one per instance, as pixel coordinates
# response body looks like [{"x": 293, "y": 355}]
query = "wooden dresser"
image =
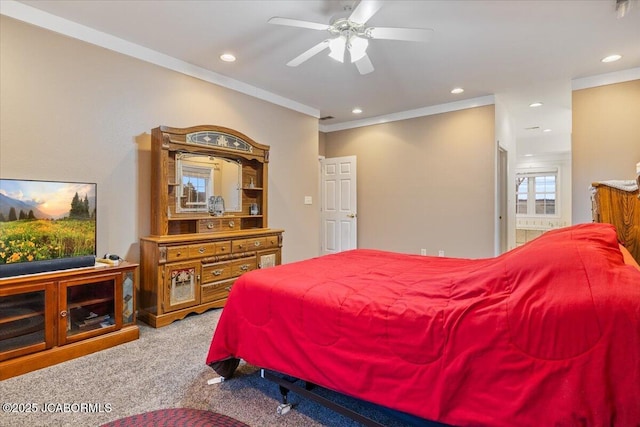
[
  {"x": 622, "y": 209},
  {"x": 208, "y": 220}
]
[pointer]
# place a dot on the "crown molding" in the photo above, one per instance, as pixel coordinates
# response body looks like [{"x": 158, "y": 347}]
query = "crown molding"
[
  {"x": 606, "y": 79},
  {"x": 411, "y": 114},
  {"x": 42, "y": 19}
]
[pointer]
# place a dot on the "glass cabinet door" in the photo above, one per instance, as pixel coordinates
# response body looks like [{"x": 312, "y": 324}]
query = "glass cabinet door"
[
  {"x": 128, "y": 298},
  {"x": 26, "y": 319},
  {"x": 182, "y": 282},
  {"x": 89, "y": 307}
]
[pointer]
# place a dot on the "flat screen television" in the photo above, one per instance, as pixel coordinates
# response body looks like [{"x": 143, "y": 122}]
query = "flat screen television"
[{"x": 46, "y": 226}]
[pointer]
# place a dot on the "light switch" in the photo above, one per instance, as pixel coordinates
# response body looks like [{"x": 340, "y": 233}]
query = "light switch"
[{"x": 308, "y": 200}]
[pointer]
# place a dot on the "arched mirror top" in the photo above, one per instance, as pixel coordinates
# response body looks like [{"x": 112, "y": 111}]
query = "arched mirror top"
[
  {"x": 218, "y": 139},
  {"x": 215, "y": 140}
]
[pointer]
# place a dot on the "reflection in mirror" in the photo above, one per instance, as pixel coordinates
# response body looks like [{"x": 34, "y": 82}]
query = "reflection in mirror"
[{"x": 201, "y": 177}]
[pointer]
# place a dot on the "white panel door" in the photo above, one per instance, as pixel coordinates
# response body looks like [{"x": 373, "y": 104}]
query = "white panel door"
[{"x": 338, "y": 210}]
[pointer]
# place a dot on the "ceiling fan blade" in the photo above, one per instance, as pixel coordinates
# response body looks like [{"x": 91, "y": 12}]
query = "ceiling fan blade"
[
  {"x": 308, "y": 54},
  {"x": 364, "y": 65},
  {"x": 297, "y": 23},
  {"x": 365, "y": 10},
  {"x": 405, "y": 34}
]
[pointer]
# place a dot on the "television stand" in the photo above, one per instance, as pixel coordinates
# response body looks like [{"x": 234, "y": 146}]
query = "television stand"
[{"x": 52, "y": 317}]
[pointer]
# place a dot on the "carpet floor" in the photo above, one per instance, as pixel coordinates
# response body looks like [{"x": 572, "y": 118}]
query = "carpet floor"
[{"x": 164, "y": 369}]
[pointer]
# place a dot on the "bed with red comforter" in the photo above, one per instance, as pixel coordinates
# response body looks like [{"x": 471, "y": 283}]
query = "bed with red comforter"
[{"x": 547, "y": 334}]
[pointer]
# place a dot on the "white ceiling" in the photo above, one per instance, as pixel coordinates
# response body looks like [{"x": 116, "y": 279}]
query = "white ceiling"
[{"x": 521, "y": 51}]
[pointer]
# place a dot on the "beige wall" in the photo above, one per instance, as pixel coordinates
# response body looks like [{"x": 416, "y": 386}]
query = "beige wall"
[
  {"x": 322, "y": 143},
  {"x": 427, "y": 182},
  {"x": 605, "y": 139},
  {"x": 73, "y": 111}
]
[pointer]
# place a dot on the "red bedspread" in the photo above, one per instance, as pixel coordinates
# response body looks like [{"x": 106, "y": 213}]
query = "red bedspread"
[{"x": 545, "y": 335}]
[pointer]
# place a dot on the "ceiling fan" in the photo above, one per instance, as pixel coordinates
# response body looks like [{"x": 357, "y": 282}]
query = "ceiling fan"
[{"x": 352, "y": 34}]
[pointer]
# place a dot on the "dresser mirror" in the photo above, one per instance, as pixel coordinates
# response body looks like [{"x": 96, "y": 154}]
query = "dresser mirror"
[{"x": 201, "y": 177}]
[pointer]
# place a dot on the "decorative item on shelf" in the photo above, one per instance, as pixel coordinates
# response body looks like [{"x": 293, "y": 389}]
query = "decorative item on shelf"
[
  {"x": 251, "y": 183},
  {"x": 253, "y": 209},
  {"x": 110, "y": 259},
  {"x": 216, "y": 205}
]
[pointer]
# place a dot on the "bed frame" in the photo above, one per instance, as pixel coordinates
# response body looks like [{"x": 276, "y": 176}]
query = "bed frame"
[{"x": 288, "y": 383}]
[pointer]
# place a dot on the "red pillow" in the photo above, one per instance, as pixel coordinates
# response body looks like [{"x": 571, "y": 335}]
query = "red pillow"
[{"x": 628, "y": 258}]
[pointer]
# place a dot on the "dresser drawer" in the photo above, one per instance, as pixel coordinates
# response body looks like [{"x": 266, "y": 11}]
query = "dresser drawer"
[
  {"x": 216, "y": 291},
  {"x": 271, "y": 242},
  {"x": 223, "y": 247},
  {"x": 243, "y": 265},
  {"x": 202, "y": 250},
  {"x": 211, "y": 225},
  {"x": 177, "y": 253},
  {"x": 247, "y": 245},
  {"x": 216, "y": 271}
]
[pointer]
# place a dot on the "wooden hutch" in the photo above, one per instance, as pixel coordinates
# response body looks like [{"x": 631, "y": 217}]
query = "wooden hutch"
[{"x": 208, "y": 220}]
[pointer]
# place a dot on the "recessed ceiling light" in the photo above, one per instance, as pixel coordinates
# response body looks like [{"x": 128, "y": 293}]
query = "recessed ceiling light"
[
  {"x": 546, "y": 130},
  {"x": 528, "y": 155},
  {"x": 535, "y": 104},
  {"x": 457, "y": 90},
  {"x": 227, "y": 57},
  {"x": 356, "y": 110},
  {"x": 611, "y": 58}
]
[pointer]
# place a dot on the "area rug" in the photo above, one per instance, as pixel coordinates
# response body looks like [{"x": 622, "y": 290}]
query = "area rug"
[{"x": 177, "y": 417}]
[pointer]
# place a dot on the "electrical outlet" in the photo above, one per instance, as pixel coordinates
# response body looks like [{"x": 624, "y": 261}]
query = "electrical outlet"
[
  {"x": 308, "y": 200},
  {"x": 441, "y": 252},
  {"x": 423, "y": 251}
]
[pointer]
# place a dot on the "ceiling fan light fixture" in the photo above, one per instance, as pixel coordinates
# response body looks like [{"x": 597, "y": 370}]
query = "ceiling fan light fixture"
[
  {"x": 337, "y": 47},
  {"x": 351, "y": 32},
  {"x": 357, "y": 48}
]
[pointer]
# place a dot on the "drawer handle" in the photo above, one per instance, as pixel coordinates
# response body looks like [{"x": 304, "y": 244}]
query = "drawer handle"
[
  {"x": 223, "y": 248},
  {"x": 228, "y": 288},
  {"x": 257, "y": 243},
  {"x": 244, "y": 267},
  {"x": 178, "y": 254},
  {"x": 231, "y": 224},
  {"x": 217, "y": 272},
  {"x": 201, "y": 250},
  {"x": 63, "y": 313},
  {"x": 209, "y": 225}
]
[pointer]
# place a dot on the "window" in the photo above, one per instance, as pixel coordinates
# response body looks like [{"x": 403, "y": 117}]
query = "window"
[
  {"x": 197, "y": 184},
  {"x": 536, "y": 193}
]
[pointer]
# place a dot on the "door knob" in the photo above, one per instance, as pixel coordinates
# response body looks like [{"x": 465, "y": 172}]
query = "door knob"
[{"x": 351, "y": 215}]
